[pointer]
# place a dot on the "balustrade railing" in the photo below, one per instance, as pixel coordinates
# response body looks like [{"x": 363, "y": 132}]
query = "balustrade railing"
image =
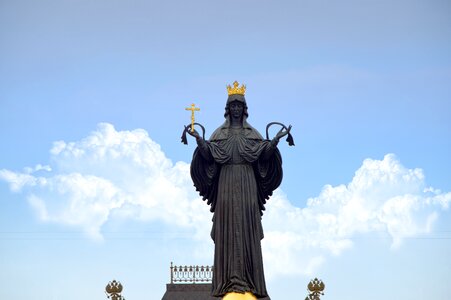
[{"x": 191, "y": 274}]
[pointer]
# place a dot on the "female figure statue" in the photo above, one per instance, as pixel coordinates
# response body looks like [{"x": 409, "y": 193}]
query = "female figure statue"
[{"x": 236, "y": 171}]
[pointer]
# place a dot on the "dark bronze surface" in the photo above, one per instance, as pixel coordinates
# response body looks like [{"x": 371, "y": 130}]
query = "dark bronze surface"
[{"x": 236, "y": 171}]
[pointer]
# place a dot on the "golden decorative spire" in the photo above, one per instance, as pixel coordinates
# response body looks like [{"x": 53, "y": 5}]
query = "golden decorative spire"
[
  {"x": 113, "y": 290},
  {"x": 316, "y": 288},
  {"x": 235, "y": 89}
]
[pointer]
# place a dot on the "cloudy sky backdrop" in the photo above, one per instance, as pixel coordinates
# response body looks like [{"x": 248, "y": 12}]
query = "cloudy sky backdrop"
[{"x": 95, "y": 185}]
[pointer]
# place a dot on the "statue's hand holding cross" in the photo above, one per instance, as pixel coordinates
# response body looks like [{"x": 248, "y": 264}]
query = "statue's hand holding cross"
[{"x": 193, "y": 108}]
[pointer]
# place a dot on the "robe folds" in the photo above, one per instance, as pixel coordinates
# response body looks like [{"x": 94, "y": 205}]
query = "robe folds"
[{"x": 236, "y": 171}]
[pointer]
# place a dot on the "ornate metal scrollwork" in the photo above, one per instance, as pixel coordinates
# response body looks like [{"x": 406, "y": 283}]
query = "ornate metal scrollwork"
[{"x": 191, "y": 274}]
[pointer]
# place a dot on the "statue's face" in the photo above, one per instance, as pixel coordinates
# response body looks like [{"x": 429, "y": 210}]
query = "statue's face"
[{"x": 236, "y": 109}]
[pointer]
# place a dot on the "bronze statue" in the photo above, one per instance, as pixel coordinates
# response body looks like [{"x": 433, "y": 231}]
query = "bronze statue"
[{"x": 236, "y": 171}]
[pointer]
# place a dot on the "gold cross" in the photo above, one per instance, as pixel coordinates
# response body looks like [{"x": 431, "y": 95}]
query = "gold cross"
[{"x": 192, "y": 109}]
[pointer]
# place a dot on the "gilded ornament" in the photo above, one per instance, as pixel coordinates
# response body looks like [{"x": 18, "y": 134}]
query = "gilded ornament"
[{"x": 235, "y": 89}]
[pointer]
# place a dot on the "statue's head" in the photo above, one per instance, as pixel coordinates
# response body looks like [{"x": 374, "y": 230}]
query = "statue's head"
[
  {"x": 232, "y": 102},
  {"x": 235, "y": 107},
  {"x": 236, "y": 101}
]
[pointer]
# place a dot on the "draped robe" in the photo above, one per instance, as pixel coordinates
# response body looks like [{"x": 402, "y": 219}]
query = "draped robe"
[{"x": 236, "y": 171}]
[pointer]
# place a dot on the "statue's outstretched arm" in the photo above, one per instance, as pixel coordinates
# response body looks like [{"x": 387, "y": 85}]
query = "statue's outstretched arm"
[{"x": 204, "y": 150}]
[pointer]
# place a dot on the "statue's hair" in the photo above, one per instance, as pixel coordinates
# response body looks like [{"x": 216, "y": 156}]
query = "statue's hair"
[{"x": 222, "y": 132}]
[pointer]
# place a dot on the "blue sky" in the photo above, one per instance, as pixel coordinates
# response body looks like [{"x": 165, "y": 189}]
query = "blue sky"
[{"x": 94, "y": 181}]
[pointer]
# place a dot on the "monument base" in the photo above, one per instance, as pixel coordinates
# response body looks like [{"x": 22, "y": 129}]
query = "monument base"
[{"x": 239, "y": 296}]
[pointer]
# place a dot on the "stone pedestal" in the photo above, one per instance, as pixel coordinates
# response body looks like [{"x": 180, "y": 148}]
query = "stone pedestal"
[
  {"x": 188, "y": 291},
  {"x": 239, "y": 296}
]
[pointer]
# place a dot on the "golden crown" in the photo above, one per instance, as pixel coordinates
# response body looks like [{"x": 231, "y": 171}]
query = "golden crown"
[{"x": 235, "y": 89}]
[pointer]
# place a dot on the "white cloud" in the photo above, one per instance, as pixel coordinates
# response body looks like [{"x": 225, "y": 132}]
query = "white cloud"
[
  {"x": 17, "y": 180},
  {"x": 91, "y": 178},
  {"x": 124, "y": 174},
  {"x": 383, "y": 197}
]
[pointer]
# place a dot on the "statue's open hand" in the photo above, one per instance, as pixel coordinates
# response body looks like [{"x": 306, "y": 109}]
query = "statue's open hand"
[{"x": 282, "y": 133}]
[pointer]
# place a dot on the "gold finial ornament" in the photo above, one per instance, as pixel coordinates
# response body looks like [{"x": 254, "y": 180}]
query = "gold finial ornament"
[
  {"x": 113, "y": 290},
  {"x": 316, "y": 289},
  {"x": 193, "y": 108},
  {"x": 235, "y": 89}
]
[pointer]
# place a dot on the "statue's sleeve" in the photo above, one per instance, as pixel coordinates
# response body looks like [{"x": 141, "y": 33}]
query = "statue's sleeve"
[
  {"x": 268, "y": 172},
  {"x": 205, "y": 171}
]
